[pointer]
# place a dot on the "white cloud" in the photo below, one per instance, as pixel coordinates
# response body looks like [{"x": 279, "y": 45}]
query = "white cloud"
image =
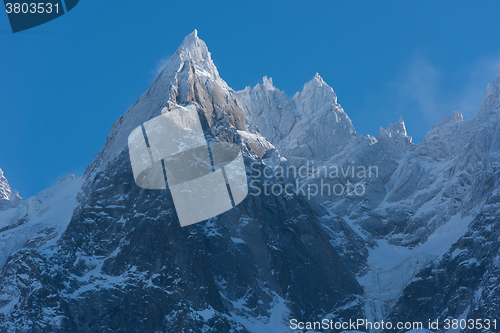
[
  {"x": 430, "y": 90},
  {"x": 479, "y": 75},
  {"x": 418, "y": 85}
]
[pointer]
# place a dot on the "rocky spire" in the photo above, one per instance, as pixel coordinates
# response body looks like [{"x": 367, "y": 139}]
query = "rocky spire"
[
  {"x": 194, "y": 50},
  {"x": 396, "y": 129},
  {"x": 395, "y": 138},
  {"x": 267, "y": 83},
  {"x": 8, "y": 197},
  {"x": 189, "y": 77},
  {"x": 318, "y": 89}
]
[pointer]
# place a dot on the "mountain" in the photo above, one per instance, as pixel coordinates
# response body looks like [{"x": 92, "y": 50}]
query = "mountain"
[
  {"x": 376, "y": 227},
  {"x": 462, "y": 282},
  {"x": 299, "y": 126},
  {"x": 426, "y": 200},
  {"x": 8, "y": 198},
  {"x": 125, "y": 263}
]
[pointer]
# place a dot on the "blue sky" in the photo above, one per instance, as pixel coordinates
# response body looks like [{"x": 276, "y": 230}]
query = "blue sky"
[{"x": 63, "y": 84}]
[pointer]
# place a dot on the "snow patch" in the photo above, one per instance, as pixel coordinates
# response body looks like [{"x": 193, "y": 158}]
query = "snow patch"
[
  {"x": 276, "y": 323},
  {"x": 46, "y": 214},
  {"x": 392, "y": 267}
]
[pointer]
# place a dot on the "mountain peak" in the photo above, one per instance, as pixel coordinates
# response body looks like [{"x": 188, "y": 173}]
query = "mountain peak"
[
  {"x": 5, "y": 191},
  {"x": 456, "y": 116},
  {"x": 396, "y": 129},
  {"x": 193, "y": 50},
  {"x": 318, "y": 80},
  {"x": 489, "y": 105},
  {"x": 191, "y": 40},
  {"x": 318, "y": 88},
  {"x": 268, "y": 83},
  {"x": 395, "y": 138},
  {"x": 8, "y": 198}
]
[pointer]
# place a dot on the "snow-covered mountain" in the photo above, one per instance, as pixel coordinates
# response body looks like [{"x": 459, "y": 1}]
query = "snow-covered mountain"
[
  {"x": 299, "y": 127},
  {"x": 101, "y": 254},
  {"x": 425, "y": 196},
  {"x": 8, "y": 197}
]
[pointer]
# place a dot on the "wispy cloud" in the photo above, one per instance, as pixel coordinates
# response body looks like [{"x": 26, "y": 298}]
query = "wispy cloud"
[
  {"x": 418, "y": 85},
  {"x": 479, "y": 75},
  {"x": 428, "y": 89},
  {"x": 162, "y": 63}
]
